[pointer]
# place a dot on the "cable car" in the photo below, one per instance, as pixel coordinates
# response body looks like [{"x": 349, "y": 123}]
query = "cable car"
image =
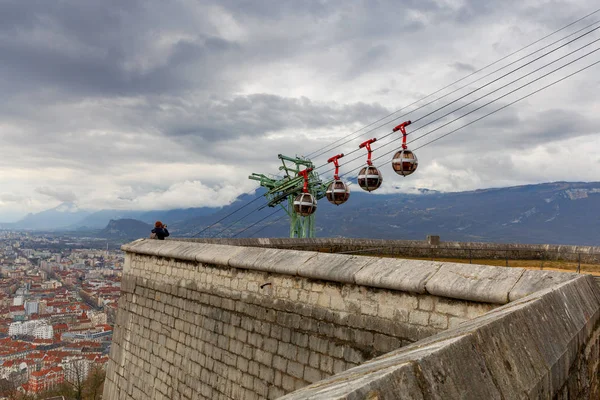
[
  {"x": 337, "y": 192},
  {"x": 369, "y": 177},
  {"x": 305, "y": 203},
  {"x": 405, "y": 162}
]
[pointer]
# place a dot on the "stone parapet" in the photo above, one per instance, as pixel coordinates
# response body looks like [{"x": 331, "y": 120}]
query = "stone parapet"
[
  {"x": 423, "y": 248},
  {"x": 215, "y": 321},
  {"x": 478, "y": 283}
]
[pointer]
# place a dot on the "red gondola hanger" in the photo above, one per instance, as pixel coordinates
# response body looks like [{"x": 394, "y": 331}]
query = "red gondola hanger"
[
  {"x": 367, "y": 144},
  {"x": 369, "y": 177},
  {"x": 335, "y": 162},
  {"x": 405, "y": 162},
  {"x": 304, "y": 174},
  {"x": 402, "y": 128},
  {"x": 305, "y": 204},
  {"x": 337, "y": 192}
]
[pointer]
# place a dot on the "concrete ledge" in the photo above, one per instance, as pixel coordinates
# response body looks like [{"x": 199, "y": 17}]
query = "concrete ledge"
[
  {"x": 471, "y": 282},
  {"x": 523, "y": 350}
]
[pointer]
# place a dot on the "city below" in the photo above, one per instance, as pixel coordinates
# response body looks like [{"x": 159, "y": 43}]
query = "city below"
[{"x": 58, "y": 301}]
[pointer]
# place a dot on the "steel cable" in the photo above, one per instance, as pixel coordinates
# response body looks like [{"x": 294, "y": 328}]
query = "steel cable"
[
  {"x": 487, "y": 66},
  {"x": 470, "y": 123},
  {"x": 312, "y": 154}
]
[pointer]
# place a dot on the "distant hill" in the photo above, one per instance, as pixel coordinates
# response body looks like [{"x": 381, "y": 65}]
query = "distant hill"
[{"x": 126, "y": 229}]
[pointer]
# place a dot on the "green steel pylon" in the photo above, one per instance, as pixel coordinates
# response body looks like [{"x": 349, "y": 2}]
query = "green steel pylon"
[{"x": 287, "y": 188}]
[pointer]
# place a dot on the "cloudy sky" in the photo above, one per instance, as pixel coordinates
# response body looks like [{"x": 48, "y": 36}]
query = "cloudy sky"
[{"x": 153, "y": 104}]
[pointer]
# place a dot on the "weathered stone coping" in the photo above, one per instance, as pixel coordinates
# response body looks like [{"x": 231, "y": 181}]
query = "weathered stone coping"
[
  {"x": 383, "y": 243},
  {"x": 542, "y": 346},
  {"x": 478, "y": 283}
]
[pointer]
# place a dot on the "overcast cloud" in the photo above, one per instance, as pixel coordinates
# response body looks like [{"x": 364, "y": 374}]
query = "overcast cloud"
[{"x": 148, "y": 104}]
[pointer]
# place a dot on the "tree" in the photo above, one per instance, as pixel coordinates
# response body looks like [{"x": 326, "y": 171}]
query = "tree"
[
  {"x": 94, "y": 384},
  {"x": 8, "y": 389},
  {"x": 64, "y": 389},
  {"x": 75, "y": 375}
]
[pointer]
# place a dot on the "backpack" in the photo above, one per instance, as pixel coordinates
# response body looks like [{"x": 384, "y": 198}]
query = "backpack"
[{"x": 153, "y": 235}]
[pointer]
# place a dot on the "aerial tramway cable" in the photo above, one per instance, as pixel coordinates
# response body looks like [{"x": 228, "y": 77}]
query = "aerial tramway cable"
[
  {"x": 475, "y": 72},
  {"x": 511, "y": 103},
  {"x": 501, "y": 108},
  {"x": 470, "y": 112},
  {"x": 468, "y": 124},
  {"x": 481, "y": 87},
  {"x": 427, "y": 96},
  {"x": 238, "y": 220},
  {"x": 257, "y": 222},
  {"x": 512, "y": 91},
  {"x": 482, "y": 77},
  {"x": 269, "y": 224},
  {"x": 476, "y": 109},
  {"x": 228, "y": 215},
  {"x": 322, "y": 149}
]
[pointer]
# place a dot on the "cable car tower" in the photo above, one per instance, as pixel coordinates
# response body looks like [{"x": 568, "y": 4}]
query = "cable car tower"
[{"x": 300, "y": 181}]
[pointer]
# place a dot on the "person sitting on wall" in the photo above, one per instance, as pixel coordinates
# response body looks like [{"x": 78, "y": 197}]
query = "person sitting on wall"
[{"x": 160, "y": 231}]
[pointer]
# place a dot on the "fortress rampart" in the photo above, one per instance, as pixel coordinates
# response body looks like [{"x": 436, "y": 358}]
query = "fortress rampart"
[
  {"x": 215, "y": 321},
  {"x": 423, "y": 249}
]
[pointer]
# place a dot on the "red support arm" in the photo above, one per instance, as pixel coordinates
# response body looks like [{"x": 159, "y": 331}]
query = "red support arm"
[
  {"x": 367, "y": 144},
  {"x": 402, "y": 128},
  {"x": 304, "y": 174},
  {"x": 334, "y": 160}
]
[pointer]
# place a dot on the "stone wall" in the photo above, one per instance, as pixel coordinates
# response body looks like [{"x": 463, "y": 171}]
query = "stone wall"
[
  {"x": 205, "y": 330},
  {"x": 543, "y": 346},
  {"x": 423, "y": 249},
  {"x": 200, "y": 320}
]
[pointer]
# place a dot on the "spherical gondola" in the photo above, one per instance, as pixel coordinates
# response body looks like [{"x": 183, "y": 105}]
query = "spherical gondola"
[
  {"x": 337, "y": 192},
  {"x": 405, "y": 162},
  {"x": 369, "y": 178},
  {"x": 305, "y": 204}
]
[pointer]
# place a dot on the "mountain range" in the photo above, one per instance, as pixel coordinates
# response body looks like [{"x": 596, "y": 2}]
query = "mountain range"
[{"x": 559, "y": 212}]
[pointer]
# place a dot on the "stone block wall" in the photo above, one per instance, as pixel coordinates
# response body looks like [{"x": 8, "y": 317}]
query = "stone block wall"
[
  {"x": 189, "y": 330},
  {"x": 544, "y": 346},
  {"x": 209, "y": 321}
]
